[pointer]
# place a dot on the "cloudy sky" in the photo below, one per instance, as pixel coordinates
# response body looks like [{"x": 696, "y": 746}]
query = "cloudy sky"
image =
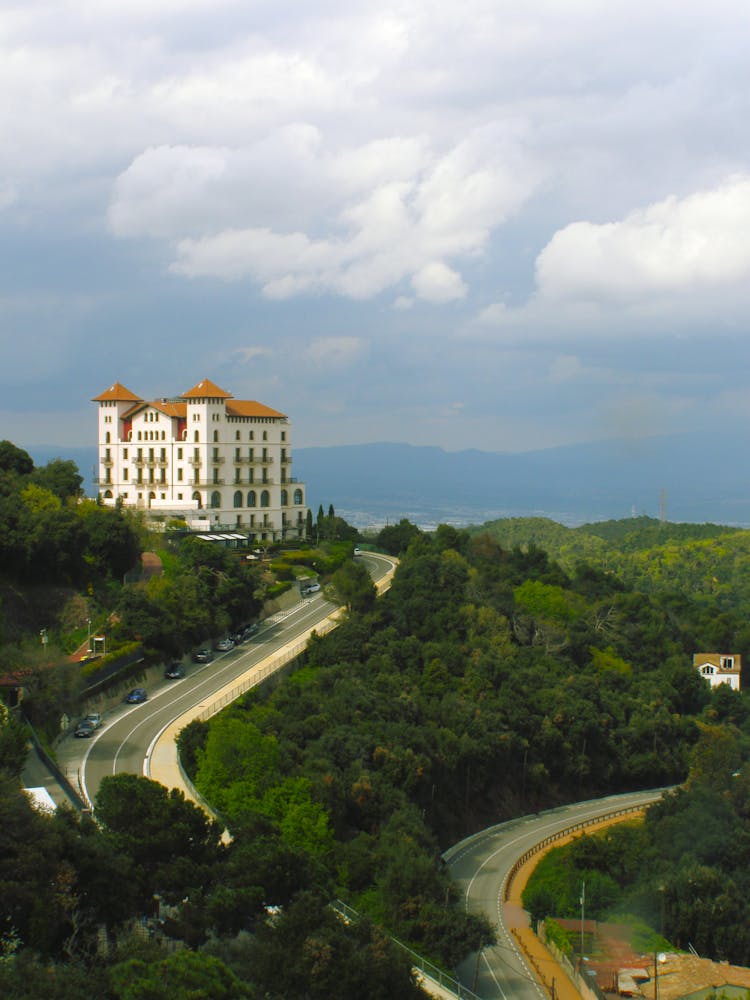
[{"x": 503, "y": 224}]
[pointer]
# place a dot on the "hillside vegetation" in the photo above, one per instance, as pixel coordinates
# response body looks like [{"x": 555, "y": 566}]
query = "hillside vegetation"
[
  {"x": 704, "y": 560},
  {"x": 492, "y": 680},
  {"x": 487, "y": 683}
]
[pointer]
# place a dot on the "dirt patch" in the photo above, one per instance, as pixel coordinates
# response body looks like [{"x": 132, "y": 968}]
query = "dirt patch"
[{"x": 151, "y": 565}]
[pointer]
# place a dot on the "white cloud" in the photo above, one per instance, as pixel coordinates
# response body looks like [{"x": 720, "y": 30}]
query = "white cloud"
[
  {"x": 427, "y": 211},
  {"x": 670, "y": 247},
  {"x": 151, "y": 196},
  {"x": 436, "y": 282}
]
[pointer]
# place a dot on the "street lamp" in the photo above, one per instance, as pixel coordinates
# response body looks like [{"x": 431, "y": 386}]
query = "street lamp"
[
  {"x": 43, "y": 637},
  {"x": 88, "y": 639}
]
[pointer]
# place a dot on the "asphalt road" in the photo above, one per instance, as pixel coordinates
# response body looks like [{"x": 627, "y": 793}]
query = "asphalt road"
[
  {"x": 479, "y": 866},
  {"x": 123, "y": 742}
]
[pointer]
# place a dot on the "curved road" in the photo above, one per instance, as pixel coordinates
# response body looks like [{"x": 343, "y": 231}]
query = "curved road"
[
  {"x": 124, "y": 741},
  {"x": 480, "y": 866}
]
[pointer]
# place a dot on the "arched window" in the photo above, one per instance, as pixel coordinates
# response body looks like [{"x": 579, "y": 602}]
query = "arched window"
[
  {"x": 130, "y": 435},
  {"x": 216, "y": 499},
  {"x": 298, "y": 496},
  {"x": 251, "y": 498},
  {"x": 163, "y": 435},
  {"x": 197, "y": 496},
  {"x": 196, "y": 438},
  {"x": 108, "y": 438},
  {"x": 216, "y": 435},
  {"x": 238, "y": 498},
  {"x": 265, "y": 499},
  {"x": 108, "y": 494},
  {"x": 184, "y": 433},
  {"x": 284, "y": 498}
]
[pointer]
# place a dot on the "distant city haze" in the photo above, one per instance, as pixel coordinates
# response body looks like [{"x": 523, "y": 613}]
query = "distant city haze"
[{"x": 687, "y": 477}]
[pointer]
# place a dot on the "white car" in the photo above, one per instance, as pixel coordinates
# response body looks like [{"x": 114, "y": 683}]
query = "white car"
[{"x": 311, "y": 588}]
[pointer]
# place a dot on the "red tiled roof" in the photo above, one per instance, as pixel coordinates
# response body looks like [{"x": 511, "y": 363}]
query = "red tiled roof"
[
  {"x": 250, "y": 408},
  {"x": 206, "y": 388},
  {"x": 169, "y": 409},
  {"x": 116, "y": 392}
]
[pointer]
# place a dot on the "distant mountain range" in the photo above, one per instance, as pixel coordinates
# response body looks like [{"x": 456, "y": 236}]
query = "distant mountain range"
[{"x": 696, "y": 478}]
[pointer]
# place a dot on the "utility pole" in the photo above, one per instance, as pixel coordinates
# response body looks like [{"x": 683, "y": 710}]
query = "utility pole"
[{"x": 583, "y": 904}]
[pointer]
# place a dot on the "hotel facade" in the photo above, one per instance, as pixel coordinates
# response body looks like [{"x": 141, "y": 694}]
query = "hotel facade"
[{"x": 216, "y": 461}]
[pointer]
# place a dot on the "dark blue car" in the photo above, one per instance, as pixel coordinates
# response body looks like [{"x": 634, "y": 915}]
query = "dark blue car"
[{"x": 136, "y": 696}]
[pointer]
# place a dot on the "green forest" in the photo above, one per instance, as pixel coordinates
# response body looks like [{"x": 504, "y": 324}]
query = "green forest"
[{"x": 498, "y": 676}]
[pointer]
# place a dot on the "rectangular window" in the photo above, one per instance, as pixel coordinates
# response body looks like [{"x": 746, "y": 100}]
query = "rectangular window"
[
  {"x": 216, "y": 475},
  {"x": 179, "y": 475},
  {"x": 124, "y": 452},
  {"x": 283, "y": 435},
  {"x": 179, "y": 453},
  {"x": 124, "y": 475}
]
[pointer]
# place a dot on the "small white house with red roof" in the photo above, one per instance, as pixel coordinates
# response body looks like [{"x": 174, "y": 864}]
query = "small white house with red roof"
[{"x": 719, "y": 668}]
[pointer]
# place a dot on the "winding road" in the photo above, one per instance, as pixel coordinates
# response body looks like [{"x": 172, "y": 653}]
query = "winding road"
[
  {"x": 480, "y": 866},
  {"x": 124, "y": 742}
]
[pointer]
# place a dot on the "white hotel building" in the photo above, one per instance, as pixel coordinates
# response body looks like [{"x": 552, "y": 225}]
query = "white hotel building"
[{"x": 217, "y": 461}]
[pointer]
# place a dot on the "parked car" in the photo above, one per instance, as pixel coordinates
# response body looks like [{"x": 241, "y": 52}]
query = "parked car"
[
  {"x": 95, "y": 719},
  {"x": 358, "y": 552},
  {"x": 224, "y": 645},
  {"x": 250, "y": 631},
  {"x": 202, "y": 656},
  {"x": 311, "y": 588},
  {"x": 84, "y": 729},
  {"x": 174, "y": 671},
  {"x": 136, "y": 696},
  {"x": 237, "y": 636}
]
